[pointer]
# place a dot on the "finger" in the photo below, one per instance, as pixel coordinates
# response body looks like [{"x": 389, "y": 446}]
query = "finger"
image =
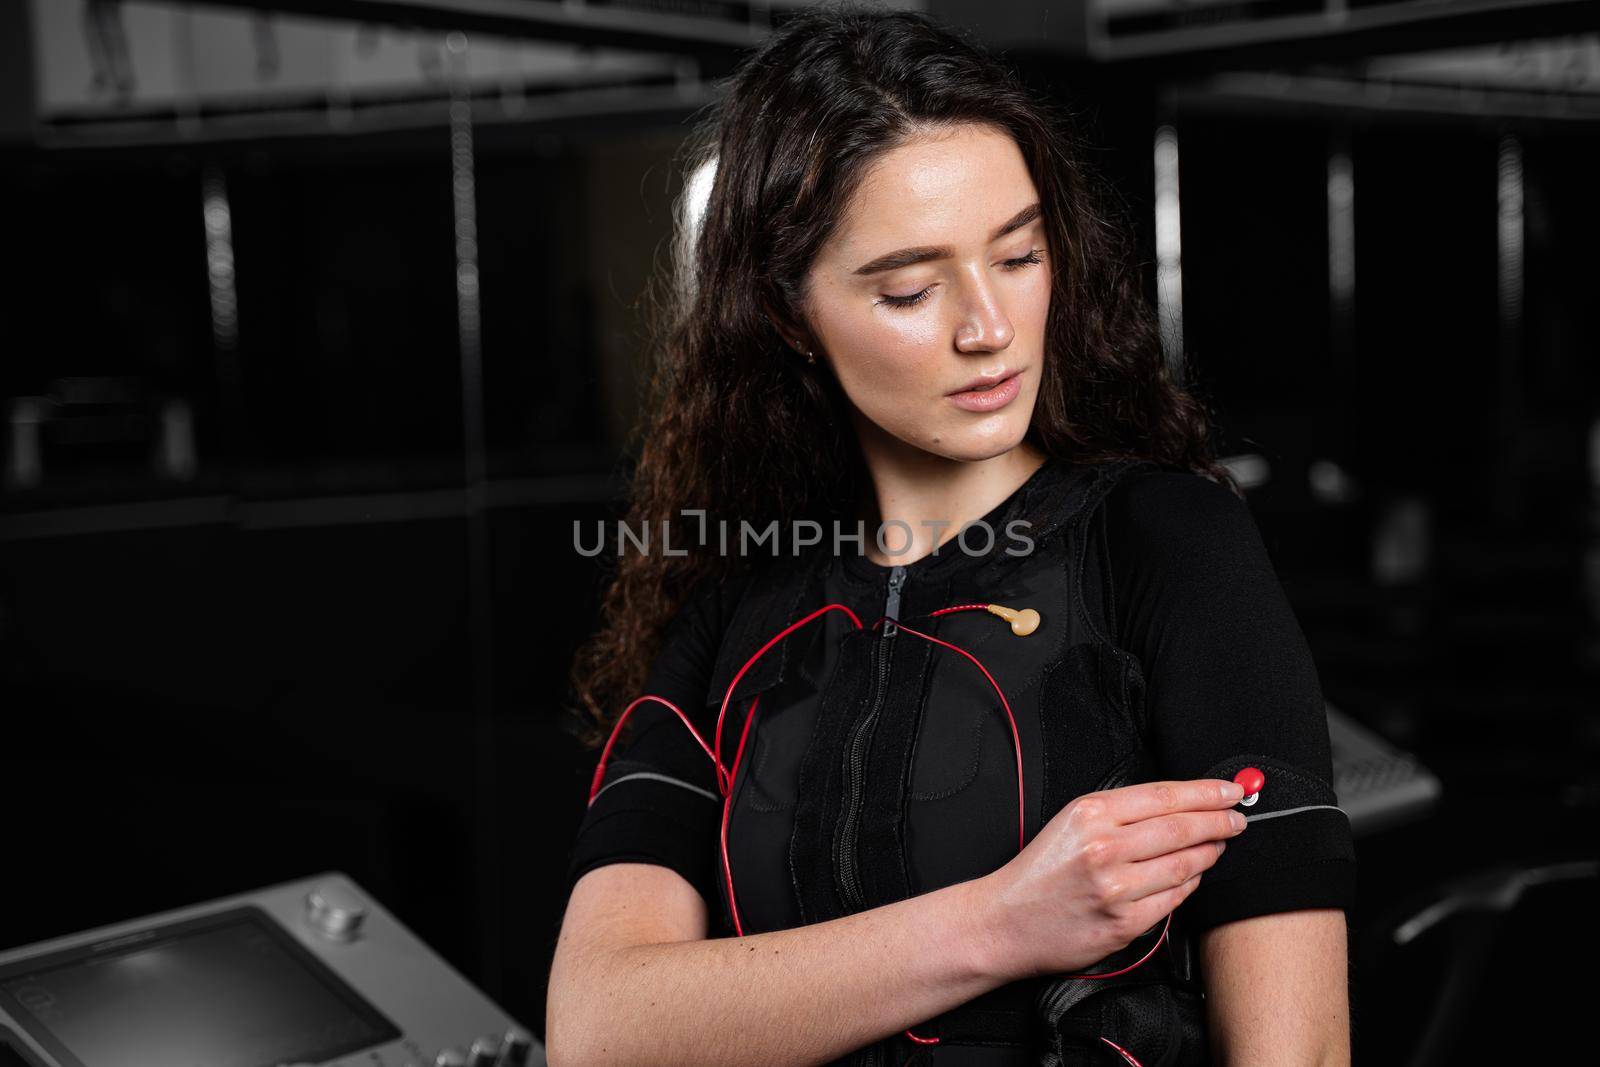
[
  {"x": 1135, "y": 803},
  {"x": 1158, "y": 875},
  {"x": 1157, "y": 906},
  {"x": 1170, "y": 833}
]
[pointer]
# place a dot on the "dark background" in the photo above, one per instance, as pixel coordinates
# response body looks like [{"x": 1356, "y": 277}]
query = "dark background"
[{"x": 314, "y": 649}]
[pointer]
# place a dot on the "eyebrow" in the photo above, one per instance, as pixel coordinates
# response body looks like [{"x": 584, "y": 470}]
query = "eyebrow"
[{"x": 906, "y": 257}]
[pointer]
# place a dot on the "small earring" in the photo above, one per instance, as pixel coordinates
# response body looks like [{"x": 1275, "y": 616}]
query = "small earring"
[{"x": 811, "y": 357}]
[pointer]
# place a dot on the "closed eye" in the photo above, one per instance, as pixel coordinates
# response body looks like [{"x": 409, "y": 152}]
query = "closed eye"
[{"x": 1019, "y": 263}]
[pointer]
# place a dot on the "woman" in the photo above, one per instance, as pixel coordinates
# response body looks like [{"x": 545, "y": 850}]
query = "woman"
[{"x": 937, "y": 836}]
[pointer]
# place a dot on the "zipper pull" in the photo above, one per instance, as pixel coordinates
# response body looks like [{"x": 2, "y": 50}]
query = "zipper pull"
[{"x": 891, "y": 605}]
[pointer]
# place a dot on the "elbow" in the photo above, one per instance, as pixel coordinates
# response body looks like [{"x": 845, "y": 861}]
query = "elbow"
[
  {"x": 1336, "y": 1053},
  {"x": 563, "y": 1047},
  {"x": 555, "y": 1047},
  {"x": 567, "y": 1035},
  {"x": 556, "y": 1055},
  {"x": 580, "y": 1053},
  {"x": 576, "y": 1035},
  {"x": 564, "y": 1025}
]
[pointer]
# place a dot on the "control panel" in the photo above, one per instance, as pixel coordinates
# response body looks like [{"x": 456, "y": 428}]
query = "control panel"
[{"x": 309, "y": 972}]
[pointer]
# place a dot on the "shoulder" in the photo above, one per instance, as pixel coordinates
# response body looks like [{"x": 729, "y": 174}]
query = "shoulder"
[
  {"x": 708, "y": 605},
  {"x": 1162, "y": 505},
  {"x": 1153, "y": 496},
  {"x": 1182, "y": 526}
]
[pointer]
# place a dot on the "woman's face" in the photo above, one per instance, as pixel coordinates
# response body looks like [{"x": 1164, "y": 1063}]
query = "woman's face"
[{"x": 937, "y": 279}]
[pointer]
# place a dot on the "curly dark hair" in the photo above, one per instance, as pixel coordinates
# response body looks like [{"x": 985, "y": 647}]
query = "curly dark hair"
[{"x": 737, "y": 424}]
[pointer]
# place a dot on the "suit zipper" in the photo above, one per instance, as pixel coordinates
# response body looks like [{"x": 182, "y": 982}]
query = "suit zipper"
[{"x": 856, "y": 751}]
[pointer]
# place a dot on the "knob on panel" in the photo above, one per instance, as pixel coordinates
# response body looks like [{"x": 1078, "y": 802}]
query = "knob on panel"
[
  {"x": 485, "y": 1052},
  {"x": 516, "y": 1049},
  {"x": 335, "y": 912}
]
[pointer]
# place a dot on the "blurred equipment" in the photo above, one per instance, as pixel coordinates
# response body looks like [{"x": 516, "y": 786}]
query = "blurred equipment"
[
  {"x": 306, "y": 972},
  {"x": 1378, "y": 786},
  {"x": 1257, "y": 33},
  {"x": 13, "y": 1053},
  {"x": 1471, "y": 916},
  {"x": 1250, "y": 469},
  {"x": 108, "y": 72},
  {"x": 115, "y": 424}
]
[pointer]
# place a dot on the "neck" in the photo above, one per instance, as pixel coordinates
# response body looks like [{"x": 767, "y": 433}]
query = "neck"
[{"x": 933, "y": 495}]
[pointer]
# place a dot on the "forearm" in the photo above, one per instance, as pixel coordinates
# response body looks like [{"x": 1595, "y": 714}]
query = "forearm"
[{"x": 805, "y": 995}]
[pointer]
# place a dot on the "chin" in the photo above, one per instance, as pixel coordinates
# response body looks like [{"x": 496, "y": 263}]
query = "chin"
[{"x": 970, "y": 444}]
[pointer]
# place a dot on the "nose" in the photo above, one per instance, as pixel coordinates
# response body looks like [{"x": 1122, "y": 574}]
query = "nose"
[{"x": 984, "y": 327}]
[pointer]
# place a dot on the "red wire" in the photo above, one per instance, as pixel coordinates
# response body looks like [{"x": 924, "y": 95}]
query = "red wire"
[
  {"x": 1142, "y": 959},
  {"x": 1124, "y": 1053},
  {"x": 733, "y": 775},
  {"x": 600, "y": 768},
  {"x": 1016, "y": 741},
  {"x": 726, "y": 778},
  {"x": 727, "y": 805},
  {"x": 960, "y": 607},
  {"x": 785, "y": 632}
]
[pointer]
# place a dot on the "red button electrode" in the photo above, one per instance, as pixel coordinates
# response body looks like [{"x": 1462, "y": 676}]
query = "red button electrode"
[{"x": 1250, "y": 780}]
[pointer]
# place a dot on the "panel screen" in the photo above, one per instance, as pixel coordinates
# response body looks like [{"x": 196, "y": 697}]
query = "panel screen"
[{"x": 230, "y": 990}]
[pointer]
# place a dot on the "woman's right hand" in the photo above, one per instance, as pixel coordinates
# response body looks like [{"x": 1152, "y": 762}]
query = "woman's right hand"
[{"x": 1105, "y": 869}]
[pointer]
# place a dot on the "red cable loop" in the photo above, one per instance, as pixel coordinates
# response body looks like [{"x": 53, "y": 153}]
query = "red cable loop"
[
  {"x": 1142, "y": 959},
  {"x": 727, "y": 868},
  {"x": 785, "y": 632},
  {"x": 726, "y": 777},
  {"x": 1015, "y": 739},
  {"x": 605, "y": 754}
]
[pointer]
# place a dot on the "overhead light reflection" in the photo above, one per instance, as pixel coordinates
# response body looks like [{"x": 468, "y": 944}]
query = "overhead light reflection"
[{"x": 1169, "y": 266}]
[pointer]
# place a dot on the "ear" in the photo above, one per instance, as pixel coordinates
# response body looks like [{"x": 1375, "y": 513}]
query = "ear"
[{"x": 791, "y": 334}]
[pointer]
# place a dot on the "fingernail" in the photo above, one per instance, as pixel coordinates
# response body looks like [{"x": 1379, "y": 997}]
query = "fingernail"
[
  {"x": 1232, "y": 790},
  {"x": 1220, "y": 847},
  {"x": 1237, "y": 820}
]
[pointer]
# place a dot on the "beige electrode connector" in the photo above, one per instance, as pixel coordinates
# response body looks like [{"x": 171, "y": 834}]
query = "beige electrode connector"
[{"x": 1022, "y": 622}]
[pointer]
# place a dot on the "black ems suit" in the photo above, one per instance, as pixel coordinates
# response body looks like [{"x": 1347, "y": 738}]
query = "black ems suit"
[{"x": 881, "y": 765}]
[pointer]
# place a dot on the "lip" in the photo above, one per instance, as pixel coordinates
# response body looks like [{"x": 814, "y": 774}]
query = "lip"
[{"x": 988, "y": 394}]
